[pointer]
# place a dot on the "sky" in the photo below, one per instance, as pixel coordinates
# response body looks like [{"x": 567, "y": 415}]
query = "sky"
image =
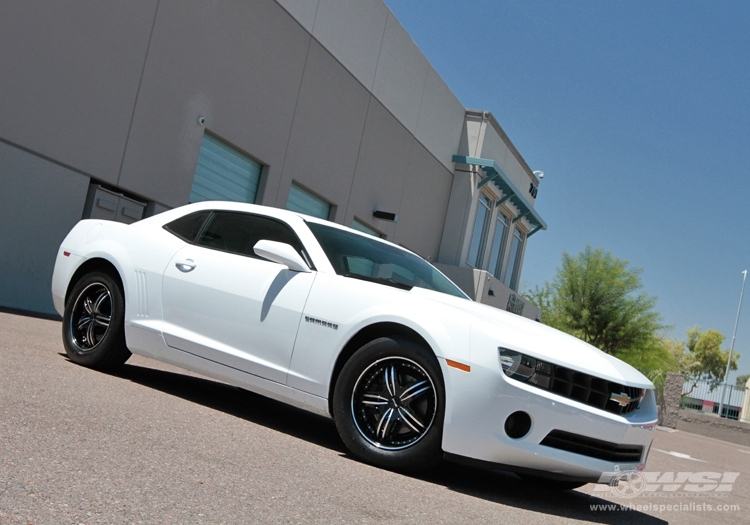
[{"x": 638, "y": 114}]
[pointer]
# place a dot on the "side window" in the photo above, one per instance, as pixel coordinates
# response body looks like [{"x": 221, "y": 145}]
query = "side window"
[
  {"x": 188, "y": 227},
  {"x": 498, "y": 243},
  {"x": 479, "y": 234},
  {"x": 514, "y": 261},
  {"x": 236, "y": 232}
]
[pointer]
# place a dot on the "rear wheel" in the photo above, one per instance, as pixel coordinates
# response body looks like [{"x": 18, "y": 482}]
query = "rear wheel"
[
  {"x": 388, "y": 405},
  {"x": 93, "y": 322}
]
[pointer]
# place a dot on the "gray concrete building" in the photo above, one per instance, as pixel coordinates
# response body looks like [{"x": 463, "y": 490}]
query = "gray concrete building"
[{"x": 121, "y": 110}]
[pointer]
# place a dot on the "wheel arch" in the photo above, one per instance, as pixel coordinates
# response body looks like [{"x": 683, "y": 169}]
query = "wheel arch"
[
  {"x": 364, "y": 336},
  {"x": 93, "y": 265}
]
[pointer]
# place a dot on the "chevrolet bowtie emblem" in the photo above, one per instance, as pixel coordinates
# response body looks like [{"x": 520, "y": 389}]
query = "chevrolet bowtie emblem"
[{"x": 621, "y": 399}]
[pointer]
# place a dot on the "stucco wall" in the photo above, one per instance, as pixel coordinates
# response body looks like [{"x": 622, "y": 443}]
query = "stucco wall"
[
  {"x": 41, "y": 203},
  {"x": 333, "y": 94}
]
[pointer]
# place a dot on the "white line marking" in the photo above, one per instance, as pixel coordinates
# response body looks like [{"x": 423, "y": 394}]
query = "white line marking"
[
  {"x": 745, "y": 451},
  {"x": 679, "y": 455}
]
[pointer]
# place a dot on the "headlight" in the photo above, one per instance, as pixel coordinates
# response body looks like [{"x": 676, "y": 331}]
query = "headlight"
[
  {"x": 515, "y": 365},
  {"x": 525, "y": 368}
]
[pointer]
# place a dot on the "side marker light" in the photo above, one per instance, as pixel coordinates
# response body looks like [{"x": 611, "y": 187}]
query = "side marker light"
[{"x": 460, "y": 366}]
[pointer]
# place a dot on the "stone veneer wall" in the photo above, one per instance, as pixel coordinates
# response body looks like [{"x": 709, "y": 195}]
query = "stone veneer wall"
[
  {"x": 670, "y": 407},
  {"x": 713, "y": 426}
]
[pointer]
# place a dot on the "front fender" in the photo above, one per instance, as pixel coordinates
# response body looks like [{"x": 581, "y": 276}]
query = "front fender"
[{"x": 338, "y": 308}]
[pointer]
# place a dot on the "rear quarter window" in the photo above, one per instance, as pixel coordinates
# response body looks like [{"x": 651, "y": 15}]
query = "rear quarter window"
[{"x": 188, "y": 227}]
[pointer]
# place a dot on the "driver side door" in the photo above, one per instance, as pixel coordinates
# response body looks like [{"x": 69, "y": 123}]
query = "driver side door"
[{"x": 224, "y": 303}]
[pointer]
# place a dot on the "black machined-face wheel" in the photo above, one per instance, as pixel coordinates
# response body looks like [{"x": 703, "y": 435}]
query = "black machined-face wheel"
[
  {"x": 91, "y": 316},
  {"x": 93, "y": 325},
  {"x": 394, "y": 403}
]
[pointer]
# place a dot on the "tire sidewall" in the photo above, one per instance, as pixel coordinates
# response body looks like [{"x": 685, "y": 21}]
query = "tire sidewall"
[
  {"x": 114, "y": 339},
  {"x": 427, "y": 450}
]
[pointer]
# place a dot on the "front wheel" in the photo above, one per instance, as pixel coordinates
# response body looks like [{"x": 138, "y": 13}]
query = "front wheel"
[
  {"x": 93, "y": 322},
  {"x": 388, "y": 405}
]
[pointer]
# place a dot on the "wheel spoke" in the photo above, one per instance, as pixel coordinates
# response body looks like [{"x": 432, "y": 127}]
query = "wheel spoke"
[
  {"x": 100, "y": 300},
  {"x": 414, "y": 390},
  {"x": 83, "y": 323},
  {"x": 103, "y": 320},
  {"x": 409, "y": 416},
  {"x": 88, "y": 306},
  {"x": 383, "y": 425},
  {"x": 374, "y": 399},
  {"x": 90, "y": 334},
  {"x": 390, "y": 382},
  {"x": 405, "y": 419}
]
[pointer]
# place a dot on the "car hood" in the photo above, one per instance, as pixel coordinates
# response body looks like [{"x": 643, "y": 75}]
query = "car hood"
[{"x": 541, "y": 341}]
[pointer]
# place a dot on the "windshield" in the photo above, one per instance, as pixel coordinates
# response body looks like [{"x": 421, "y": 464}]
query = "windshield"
[{"x": 362, "y": 257}]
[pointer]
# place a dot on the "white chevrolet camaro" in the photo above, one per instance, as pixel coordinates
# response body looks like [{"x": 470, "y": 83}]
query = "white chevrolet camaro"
[{"x": 352, "y": 327}]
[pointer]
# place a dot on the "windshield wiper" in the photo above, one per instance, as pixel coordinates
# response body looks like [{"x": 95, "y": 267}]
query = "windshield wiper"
[{"x": 388, "y": 281}]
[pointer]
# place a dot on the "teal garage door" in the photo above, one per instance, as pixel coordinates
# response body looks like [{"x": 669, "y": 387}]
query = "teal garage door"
[
  {"x": 224, "y": 174},
  {"x": 303, "y": 201}
]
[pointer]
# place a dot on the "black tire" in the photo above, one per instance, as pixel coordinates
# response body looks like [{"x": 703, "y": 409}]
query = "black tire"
[
  {"x": 93, "y": 323},
  {"x": 551, "y": 484},
  {"x": 389, "y": 405}
]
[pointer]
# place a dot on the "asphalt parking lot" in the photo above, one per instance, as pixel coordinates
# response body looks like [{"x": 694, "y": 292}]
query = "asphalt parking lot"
[{"x": 155, "y": 444}]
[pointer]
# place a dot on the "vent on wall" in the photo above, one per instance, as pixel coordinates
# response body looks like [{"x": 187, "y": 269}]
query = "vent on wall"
[{"x": 102, "y": 203}]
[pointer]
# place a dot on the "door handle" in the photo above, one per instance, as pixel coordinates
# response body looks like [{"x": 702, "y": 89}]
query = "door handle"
[{"x": 185, "y": 266}]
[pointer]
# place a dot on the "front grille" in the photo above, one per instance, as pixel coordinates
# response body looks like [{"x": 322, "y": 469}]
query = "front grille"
[
  {"x": 593, "y": 448},
  {"x": 585, "y": 388}
]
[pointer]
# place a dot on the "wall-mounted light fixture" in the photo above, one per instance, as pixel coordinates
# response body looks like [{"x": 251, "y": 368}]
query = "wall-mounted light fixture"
[{"x": 385, "y": 216}]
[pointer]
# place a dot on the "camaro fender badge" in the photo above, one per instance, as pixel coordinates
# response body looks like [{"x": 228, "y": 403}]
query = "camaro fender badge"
[
  {"x": 320, "y": 322},
  {"x": 621, "y": 399}
]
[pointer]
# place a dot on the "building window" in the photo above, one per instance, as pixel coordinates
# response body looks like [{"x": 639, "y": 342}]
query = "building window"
[
  {"x": 364, "y": 228},
  {"x": 303, "y": 201},
  {"x": 514, "y": 260},
  {"x": 479, "y": 234},
  {"x": 498, "y": 245},
  {"x": 224, "y": 174}
]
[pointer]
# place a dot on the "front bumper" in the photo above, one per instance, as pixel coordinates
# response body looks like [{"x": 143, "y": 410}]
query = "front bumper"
[{"x": 479, "y": 402}]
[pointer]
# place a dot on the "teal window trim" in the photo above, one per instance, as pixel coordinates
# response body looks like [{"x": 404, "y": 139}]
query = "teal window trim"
[
  {"x": 496, "y": 175},
  {"x": 520, "y": 216}
]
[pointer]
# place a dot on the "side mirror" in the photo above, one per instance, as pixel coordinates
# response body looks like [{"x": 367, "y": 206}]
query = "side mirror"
[{"x": 281, "y": 253}]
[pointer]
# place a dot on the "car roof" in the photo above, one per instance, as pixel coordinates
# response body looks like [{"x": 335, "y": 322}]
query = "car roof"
[{"x": 270, "y": 211}]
